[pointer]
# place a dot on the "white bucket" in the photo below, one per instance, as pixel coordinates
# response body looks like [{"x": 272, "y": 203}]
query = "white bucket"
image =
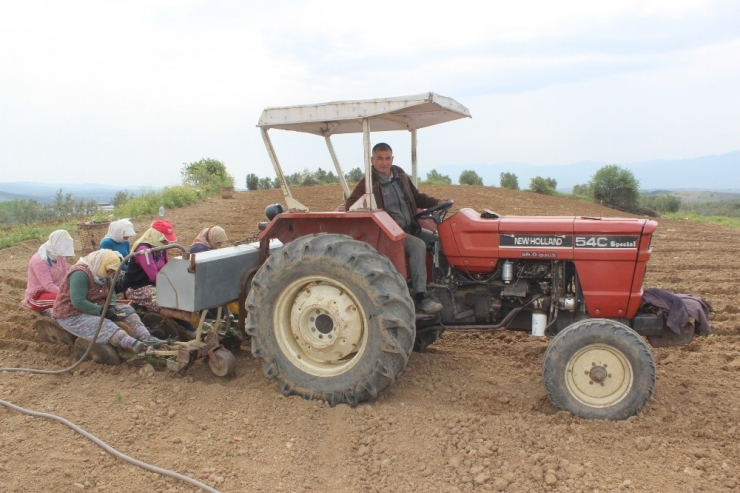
[{"x": 539, "y": 322}]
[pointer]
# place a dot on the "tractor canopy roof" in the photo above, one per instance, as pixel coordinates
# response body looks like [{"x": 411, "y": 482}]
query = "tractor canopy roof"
[{"x": 383, "y": 114}]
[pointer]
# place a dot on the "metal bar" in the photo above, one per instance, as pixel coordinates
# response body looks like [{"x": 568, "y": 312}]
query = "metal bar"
[
  {"x": 333, "y": 154},
  {"x": 289, "y": 200},
  {"x": 413, "y": 157},
  {"x": 368, "y": 164},
  {"x": 200, "y": 326},
  {"x": 367, "y": 201}
]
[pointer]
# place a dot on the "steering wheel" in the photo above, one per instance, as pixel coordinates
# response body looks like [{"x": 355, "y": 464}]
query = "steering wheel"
[{"x": 436, "y": 212}]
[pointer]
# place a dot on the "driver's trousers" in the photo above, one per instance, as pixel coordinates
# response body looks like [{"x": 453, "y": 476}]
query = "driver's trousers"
[{"x": 416, "y": 253}]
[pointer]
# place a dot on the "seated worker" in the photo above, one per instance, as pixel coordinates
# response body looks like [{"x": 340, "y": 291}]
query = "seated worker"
[
  {"x": 81, "y": 301},
  {"x": 396, "y": 194},
  {"x": 47, "y": 270},
  {"x": 117, "y": 238},
  {"x": 139, "y": 284},
  {"x": 208, "y": 239}
]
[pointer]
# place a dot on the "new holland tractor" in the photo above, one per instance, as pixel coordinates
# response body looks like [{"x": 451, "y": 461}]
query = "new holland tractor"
[{"x": 331, "y": 316}]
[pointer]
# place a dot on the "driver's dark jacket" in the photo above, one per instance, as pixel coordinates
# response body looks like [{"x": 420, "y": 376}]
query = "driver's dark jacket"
[{"x": 414, "y": 198}]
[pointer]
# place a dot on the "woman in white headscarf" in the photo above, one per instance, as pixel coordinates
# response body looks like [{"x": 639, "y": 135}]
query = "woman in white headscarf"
[
  {"x": 81, "y": 302},
  {"x": 117, "y": 238},
  {"x": 46, "y": 271}
]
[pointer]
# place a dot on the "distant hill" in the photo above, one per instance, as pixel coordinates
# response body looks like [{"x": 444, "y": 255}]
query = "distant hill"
[
  {"x": 719, "y": 173},
  {"x": 45, "y": 192},
  {"x": 697, "y": 196},
  {"x": 7, "y": 197},
  {"x": 712, "y": 174}
]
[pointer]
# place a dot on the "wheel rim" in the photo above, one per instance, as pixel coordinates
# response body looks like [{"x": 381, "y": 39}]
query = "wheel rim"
[
  {"x": 320, "y": 326},
  {"x": 599, "y": 376}
]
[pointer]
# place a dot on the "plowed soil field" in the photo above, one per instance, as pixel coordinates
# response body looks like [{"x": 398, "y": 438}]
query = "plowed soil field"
[{"x": 468, "y": 414}]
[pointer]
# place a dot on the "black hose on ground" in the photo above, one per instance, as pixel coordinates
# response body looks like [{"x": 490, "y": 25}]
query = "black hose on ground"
[{"x": 89, "y": 436}]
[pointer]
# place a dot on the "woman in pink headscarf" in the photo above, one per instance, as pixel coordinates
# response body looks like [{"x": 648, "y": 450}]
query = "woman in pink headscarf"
[{"x": 47, "y": 270}]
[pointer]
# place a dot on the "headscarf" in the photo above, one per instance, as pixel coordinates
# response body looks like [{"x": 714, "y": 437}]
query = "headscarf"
[
  {"x": 210, "y": 236},
  {"x": 59, "y": 244},
  {"x": 120, "y": 229},
  {"x": 100, "y": 262},
  {"x": 151, "y": 237}
]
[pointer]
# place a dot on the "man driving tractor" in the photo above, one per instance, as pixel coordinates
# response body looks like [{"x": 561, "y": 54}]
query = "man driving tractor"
[{"x": 396, "y": 194}]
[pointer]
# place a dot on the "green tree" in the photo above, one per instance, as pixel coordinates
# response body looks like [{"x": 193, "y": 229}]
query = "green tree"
[
  {"x": 320, "y": 176},
  {"x": 6, "y": 217},
  {"x": 470, "y": 177},
  {"x": 92, "y": 207},
  {"x": 308, "y": 179},
  {"x": 541, "y": 185},
  {"x": 662, "y": 203},
  {"x": 509, "y": 180},
  {"x": 120, "y": 198},
  {"x": 64, "y": 205},
  {"x": 331, "y": 177},
  {"x": 264, "y": 184},
  {"x": 582, "y": 190},
  {"x": 25, "y": 211},
  {"x": 435, "y": 178},
  {"x": 46, "y": 213},
  {"x": 616, "y": 187},
  {"x": 208, "y": 174},
  {"x": 354, "y": 175},
  {"x": 253, "y": 181}
]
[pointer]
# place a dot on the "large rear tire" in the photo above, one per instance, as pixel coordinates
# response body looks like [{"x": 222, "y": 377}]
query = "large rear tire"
[
  {"x": 599, "y": 369},
  {"x": 331, "y": 319}
]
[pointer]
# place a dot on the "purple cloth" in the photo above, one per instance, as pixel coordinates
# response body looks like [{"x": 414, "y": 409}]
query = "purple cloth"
[
  {"x": 699, "y": 309},
  {"x": 679, "y": 308}
]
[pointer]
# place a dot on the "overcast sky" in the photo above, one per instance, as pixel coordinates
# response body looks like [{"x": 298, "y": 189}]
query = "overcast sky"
[{"x": 126, "y": 92}]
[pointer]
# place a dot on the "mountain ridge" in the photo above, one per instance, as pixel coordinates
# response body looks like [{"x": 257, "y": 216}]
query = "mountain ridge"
[{"x": 712, "y": 172}]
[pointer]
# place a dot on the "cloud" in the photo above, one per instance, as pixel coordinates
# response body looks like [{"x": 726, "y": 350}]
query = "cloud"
[{"x": 140, "y": 88}]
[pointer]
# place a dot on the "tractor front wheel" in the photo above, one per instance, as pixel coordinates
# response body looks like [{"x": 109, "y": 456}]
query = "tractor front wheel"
[
  {"x": 331, "y": 319},
  {"x": 599, "y": 369}
]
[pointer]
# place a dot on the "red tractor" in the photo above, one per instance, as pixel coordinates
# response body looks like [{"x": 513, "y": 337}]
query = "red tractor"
[{"x": 331, "y": 316}]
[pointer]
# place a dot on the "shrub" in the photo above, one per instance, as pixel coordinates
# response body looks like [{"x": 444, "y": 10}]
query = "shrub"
[
  {"x": 178, "y": 196},
  {"x": 615, "y": 187},
  {"x": 207, "y": 174},
  {"x": 545, "y": 186},
  {"x": 662, "y": 203},
  {"x": 435, "y": 178},
  {"x": 509, "y": 180},
  {"x": 470, "y": 177}
]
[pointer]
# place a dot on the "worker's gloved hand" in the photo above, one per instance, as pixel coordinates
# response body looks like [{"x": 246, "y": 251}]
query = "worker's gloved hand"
[{"x": 111, "y": 313}]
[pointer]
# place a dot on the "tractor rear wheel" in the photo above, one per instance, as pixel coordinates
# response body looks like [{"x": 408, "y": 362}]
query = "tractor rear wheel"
[
  {"x": 331, "y": 319},
  {"x": 599, "y": 369}
]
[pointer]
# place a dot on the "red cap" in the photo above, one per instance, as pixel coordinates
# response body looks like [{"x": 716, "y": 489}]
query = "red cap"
[{"x": 165, "y": 227}]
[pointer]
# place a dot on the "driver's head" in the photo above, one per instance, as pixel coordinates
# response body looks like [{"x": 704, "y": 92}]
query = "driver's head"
[{"x": 382, "y": 159}]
